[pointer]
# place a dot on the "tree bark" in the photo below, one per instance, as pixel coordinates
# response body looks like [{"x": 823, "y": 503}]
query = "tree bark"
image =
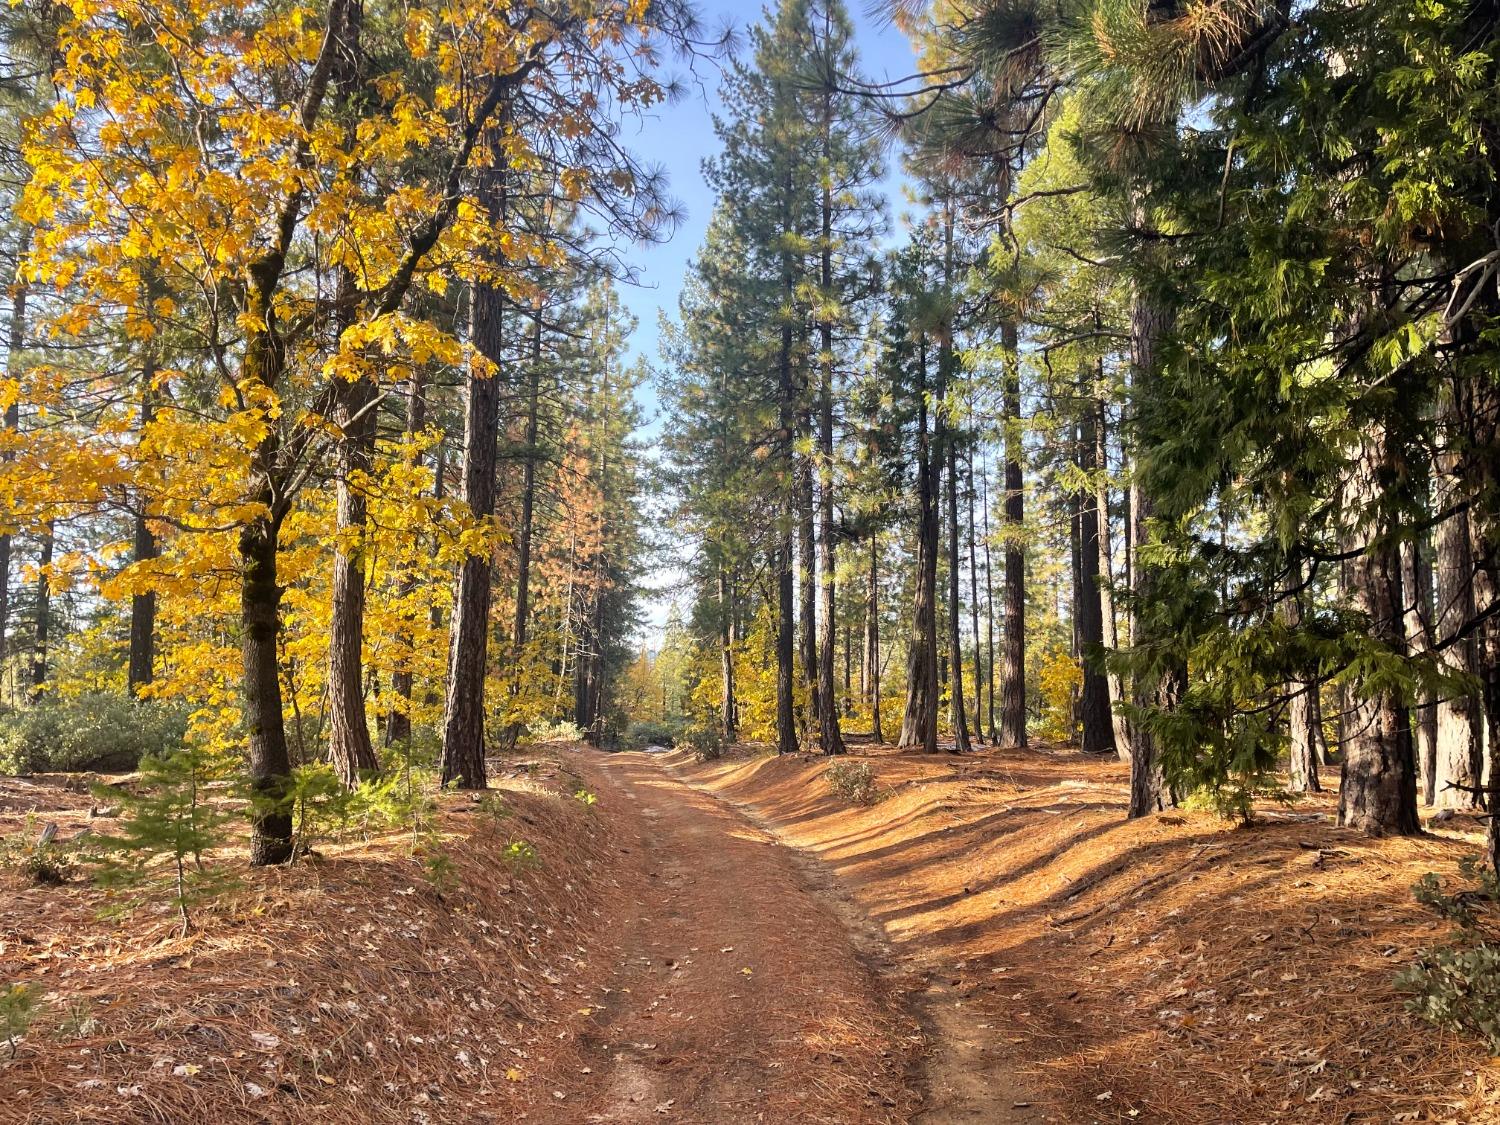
[
  {"x": 961, "y": 744},
  {"x": 872, "y": 643},
  {"x": 350, "y": 751},
  {"x": 786, "y": 718},
  {"x": 1013, "y": 657},
  {"x": 463, "y": 719},
  {"x": 807, "y": 583},
  {"x": 270, "y": 764},
  {"x": 728, "y": 723},
  {"x": 1304, "y": 715},
  {"x": 1460, "y": 717},
  {"x": 1378, "y": 782},
  {"x": 524, "y": 529},
  {"x": 42, "y": 620},
  {"x": 974, "y": 609},
  {"x": 1109, "y": 623},
  {"x": 1416, "y": 581},
  {"x": 919, "y": 722},
  {"x": 830, "y": 737},
  {"x": 989, "y": 607},
  {"x": 260, "y": 589},
  {"x": 15, "y": 346},
  {"x": 141, "y": 663},
  {"x": 398, "y": 722},
  {"x": 1161, "y": 689},
  {"x": 1095, "y": 710}
]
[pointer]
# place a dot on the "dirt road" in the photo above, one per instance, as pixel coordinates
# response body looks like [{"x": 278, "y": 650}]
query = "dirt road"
[
  {"x": 748, "y": 988},
  {"x": 737, "y": 996}
]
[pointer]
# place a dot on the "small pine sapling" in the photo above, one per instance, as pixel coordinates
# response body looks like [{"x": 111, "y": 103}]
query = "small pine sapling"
[
  {"x": 18, "y": 1007},
  {"x": 322, "y": 806},
  {"x": 438, "y": 867},
  {"x": 166, "y": 828}
]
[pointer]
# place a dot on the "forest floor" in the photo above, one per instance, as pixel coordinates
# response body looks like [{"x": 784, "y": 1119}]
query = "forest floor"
[
  {"x": 661, "y": 960},
  {"x": 732, "y": 942},
  {"x": 1173, "y": 969}
]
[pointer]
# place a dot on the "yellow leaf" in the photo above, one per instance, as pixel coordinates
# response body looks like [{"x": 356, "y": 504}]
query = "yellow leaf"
[{"x": 513, "y": 1075}]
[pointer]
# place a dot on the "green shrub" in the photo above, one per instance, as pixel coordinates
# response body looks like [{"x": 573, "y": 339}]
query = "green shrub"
[
  {"x": 37, "y": 857},
  {"x": 564, "y": 731},
  {"x": 853, "y": 781},
  {"x": 519, "y": 856},
  {"x": 98, "y": 732},
  {"x": 652, "y": 732},
  {"x": 705, "y": 740},
  {"x": 1456, "y": 985}
]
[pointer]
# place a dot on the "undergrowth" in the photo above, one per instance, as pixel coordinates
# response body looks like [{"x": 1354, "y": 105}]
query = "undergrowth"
[
  {"x": 853, "y": 781},
  {"x": 1456, "y": 985},
  {"x": 704, "y": 739},
  {"x": 39, "y": 857}
]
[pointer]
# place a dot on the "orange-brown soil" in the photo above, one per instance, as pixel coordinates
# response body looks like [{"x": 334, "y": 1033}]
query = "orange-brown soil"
[
  {"x": 663, "y": 961},
  {"x": 1175, "y": 969},
  {"x": 731, "y": 942}
]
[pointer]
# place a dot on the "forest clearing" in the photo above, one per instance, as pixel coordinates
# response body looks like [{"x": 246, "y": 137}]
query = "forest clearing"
[{"x": 631, "y": 560}]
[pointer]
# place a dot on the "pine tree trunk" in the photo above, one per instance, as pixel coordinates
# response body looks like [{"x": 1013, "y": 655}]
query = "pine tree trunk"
[
  {"x": 726, "y": 656},
  {"x": 1378, "y": 782},
  {"x": 1304, "y": 717},
  {"x": 349, "y": 749},
  {"x": 524, "y": 529},
  {"x": 1163, "y": 690},
  {"x": 807, "y": 584},
  {"x": 786, "y": 714},
  {"x": 1480, "y": 476},
  {"x": 1013, "y": 667},
  {"x": 1108, "y": 622},
  {"x": 1487, "y": 588},
  {"x": 974, "y": 610},
  {"x": 1416, "y": 581},
  {"x": 1095, "y": 705},
  {"x": 989, "y": 608},
  {"x": 463, "y": 718},
  {"x": 1460, "y": 718},
  {"x": 961, "y": 744},
  {"x": 830, "y": 737},
  {"x": 872, "y": 643},
  {"x": 919, "y": 722},
  {"x": 15, "y": 346},
  {"x": 786, "y": 718}
]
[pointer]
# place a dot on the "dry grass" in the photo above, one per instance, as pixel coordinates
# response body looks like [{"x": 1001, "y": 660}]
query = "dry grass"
[
  {"x": 1176, "y": 969},
  {"x": 346, "y": 989}
]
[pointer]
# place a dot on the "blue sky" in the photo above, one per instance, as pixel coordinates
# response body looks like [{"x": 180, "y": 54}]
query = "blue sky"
[{"x": 678, "y": 137}]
